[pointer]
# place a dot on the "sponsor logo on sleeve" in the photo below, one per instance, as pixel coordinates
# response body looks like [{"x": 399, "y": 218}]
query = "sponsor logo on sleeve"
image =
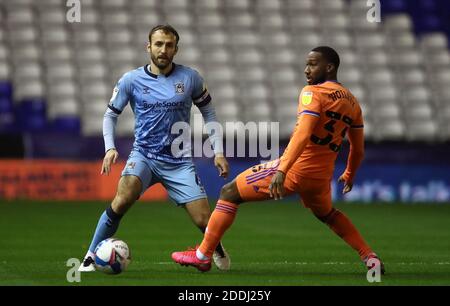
[{"x": 307, "y": 98}]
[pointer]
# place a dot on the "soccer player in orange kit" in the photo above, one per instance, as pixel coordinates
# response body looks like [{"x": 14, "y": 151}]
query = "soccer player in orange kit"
[{"x": 327, "y": 112}]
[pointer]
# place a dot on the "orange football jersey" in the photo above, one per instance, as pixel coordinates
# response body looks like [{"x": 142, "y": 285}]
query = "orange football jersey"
[{"x": 338, "y": 111}]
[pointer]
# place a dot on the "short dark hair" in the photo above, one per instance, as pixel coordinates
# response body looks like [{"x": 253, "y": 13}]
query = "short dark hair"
[
  {"x": 166, "y": 28},
  {"x": 330, "y": 55}
]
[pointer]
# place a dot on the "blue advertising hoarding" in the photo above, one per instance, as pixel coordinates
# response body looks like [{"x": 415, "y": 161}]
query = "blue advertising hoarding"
[{"x": 428, "y": 183}]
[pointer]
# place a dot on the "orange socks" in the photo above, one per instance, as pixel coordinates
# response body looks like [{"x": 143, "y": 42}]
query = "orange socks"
[
  {"x": 221, "y": 219},
  {"x": 343, "y": 227}
]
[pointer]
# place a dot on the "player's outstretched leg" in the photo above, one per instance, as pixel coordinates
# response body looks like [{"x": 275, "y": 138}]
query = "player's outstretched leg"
[
  {"x": 221, "y": 219},
  {"x": 128, "y": 192},
  {"x": 106, "y": 228},
  {"x": 200, "y": 213},
  {"x": 316, "y": 195},
  {"x": 340, "y": 224}
]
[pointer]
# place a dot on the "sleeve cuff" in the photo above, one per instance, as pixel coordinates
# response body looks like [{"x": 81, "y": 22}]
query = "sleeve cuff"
[{"x": 282, "y": 168}]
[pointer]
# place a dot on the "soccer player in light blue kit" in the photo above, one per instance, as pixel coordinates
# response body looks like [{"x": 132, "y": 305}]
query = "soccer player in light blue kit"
[{"x": 160, "y": 95}]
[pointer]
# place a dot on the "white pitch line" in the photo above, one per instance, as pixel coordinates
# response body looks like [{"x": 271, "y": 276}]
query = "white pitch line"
[{"x": 323, "y": 263}]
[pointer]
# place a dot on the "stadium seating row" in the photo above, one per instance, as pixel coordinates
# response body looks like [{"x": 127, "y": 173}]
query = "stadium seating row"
[{"x": 250, "y": 52}]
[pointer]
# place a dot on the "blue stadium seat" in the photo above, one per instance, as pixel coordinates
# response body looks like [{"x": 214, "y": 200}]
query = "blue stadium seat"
[
  {"x": 428, "y": 15},
  {"x": 31, "y": 114},
  {"x": 394, "y": 6},
  {"x": 6, "y": 105},
  {"x": 6, "y": 89},
  {"x": 430, "y": 23},
  {"x": 67, "y": 124},
  {"x": 7, "y": 119},
  {"x": 426, "y": 5}
]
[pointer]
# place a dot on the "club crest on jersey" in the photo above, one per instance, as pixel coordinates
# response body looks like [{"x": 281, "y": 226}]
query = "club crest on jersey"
[
  {"x": 307, "y": 97},
  {"x": 179, "y": 88},
  {"x": 146, "y": 90},
  {"x": 131, "y": 165}
]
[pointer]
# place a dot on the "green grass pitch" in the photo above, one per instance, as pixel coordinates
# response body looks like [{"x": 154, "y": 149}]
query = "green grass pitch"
[{"x": 271, "y": 243}]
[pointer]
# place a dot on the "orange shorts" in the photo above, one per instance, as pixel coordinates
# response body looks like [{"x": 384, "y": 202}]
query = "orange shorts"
[{"x": 253, "y": 185}]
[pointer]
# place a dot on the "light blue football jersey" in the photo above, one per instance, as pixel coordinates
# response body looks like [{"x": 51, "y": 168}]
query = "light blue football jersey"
[{"x": 158, "y": 102}]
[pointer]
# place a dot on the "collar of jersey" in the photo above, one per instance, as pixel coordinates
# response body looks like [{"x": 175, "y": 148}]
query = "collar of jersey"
[
  {"x": 155, "y": 76},
  {"x": 332, "y": 81}
]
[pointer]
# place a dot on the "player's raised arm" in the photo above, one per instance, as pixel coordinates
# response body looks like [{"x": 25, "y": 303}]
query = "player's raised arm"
[
  {"x": 308, "y": 117},
  {"x": 356, "y": 154},
  {"x": 119, "y": 100},
  {"x": 302, "y": 133}
]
